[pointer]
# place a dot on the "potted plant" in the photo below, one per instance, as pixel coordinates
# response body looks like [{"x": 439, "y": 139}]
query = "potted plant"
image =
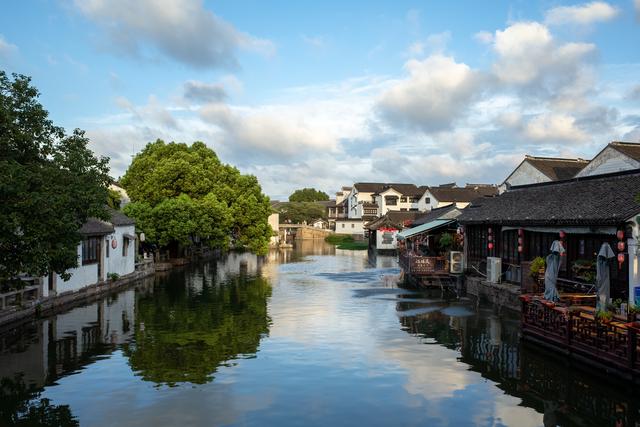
[
  {"x": 604, "y": 316},
  {"x": 537, "y": 268}
]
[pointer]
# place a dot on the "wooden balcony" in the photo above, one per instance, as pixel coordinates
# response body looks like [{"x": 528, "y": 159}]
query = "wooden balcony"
[
  {"x": 423, "y": 265},
  {"x": 575, "y": 331}
]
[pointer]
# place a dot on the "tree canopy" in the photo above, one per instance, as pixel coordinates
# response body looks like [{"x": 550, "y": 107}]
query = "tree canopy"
[
  {"x": 298, "y": 212},
  {"x": 308, "y": 195},
  {"x": 50, "y": 184},
  {"x": 180, "y": 193}
]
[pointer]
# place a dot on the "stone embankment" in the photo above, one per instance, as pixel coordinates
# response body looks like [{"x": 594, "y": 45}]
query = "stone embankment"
[{"x": 11, "y": 316}]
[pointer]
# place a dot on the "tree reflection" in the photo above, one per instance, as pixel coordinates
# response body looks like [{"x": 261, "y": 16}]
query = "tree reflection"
[
  {"x": 183, "y": 335},
  {"x": 20, "y": 405}
]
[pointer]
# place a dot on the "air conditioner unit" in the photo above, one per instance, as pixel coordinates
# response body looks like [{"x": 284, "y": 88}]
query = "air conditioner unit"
[
  {"x": 494, "y": 269},
  {"x": 456, "y": 264}
]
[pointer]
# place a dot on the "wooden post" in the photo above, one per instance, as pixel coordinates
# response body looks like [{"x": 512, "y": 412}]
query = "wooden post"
[{"x": 569, "y": 329}]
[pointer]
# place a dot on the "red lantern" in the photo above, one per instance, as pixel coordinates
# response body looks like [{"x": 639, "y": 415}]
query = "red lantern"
[
  {"x": 621, "y": 246},
  {"x": 620, "y": 234},
  {"x": 490, "y": 246},
  {"x": 562, "y": 234},
  {"x": 620, "y": 259},
  {"x": 520, "y": 240},
  {"x": 490, "y": 238},
  {"x": 520, "y": 232},
  {"x": 520, "y": 249},
  {"x": 489, "y": 230}
]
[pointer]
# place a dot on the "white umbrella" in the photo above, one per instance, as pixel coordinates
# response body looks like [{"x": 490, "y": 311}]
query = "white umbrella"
[
  {"x": 551, "y": 272},
  {"x": 603, "y": 282}
]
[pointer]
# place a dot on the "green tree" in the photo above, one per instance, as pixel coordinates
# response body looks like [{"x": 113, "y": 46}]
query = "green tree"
[
  {"x": 113, "y": 199},
  {"x": 297, "y": 212},
  {"x": 50, "y": 184},
  {"x": 181, "y": 192},
  {"x": 308, "y": 195}
]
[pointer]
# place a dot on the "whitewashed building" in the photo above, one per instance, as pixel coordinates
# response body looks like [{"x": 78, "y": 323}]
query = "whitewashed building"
[
  {"x": 615, "y": 157},
  {"x": 450, "y": 194},
  {"x": 106, "y": 248},
  {"x": 535, "y": 170}
]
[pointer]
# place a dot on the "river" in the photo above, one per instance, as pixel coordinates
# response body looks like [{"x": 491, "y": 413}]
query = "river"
[{"x": 310, "y": 336}]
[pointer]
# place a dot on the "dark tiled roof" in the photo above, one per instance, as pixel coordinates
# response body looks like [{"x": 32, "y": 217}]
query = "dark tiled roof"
[
  {"x": 94, "y": 226},
  {"x": 393, "y": 218},
  {"x": 379, "y": 187},
  {"x": 466, "y": 194},
  {"x": 119, "y": 218},
  {"x": 448, "y": 212},
  {"x": 631, "y": 149},
  {"x": 557, "y": 169},
  {"x": 598, "y": 200}
]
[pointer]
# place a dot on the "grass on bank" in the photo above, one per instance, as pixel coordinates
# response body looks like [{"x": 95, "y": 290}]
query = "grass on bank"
[{"x": 342, "y": 241}]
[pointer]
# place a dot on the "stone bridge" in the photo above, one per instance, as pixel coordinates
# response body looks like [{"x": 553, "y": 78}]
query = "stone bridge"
[{"x": 290, "y": 232}]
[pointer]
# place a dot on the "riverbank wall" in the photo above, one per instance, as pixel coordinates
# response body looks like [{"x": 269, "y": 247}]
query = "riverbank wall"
[
  {"x": 502, "y": 295},
  {"x": 54, "y": 304}
]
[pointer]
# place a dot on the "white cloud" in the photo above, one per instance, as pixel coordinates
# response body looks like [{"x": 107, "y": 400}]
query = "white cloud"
[
  {"x": 183, "y": 30},
  {"x": 436, "y": 91},
  {"x": 435, "y": 43},
  {"x": 6, "y": 49},
  {"x": 201, "y": 92},
  {"x": 583, "y": 14},
  {"x": 550, "y": 127},
  {"x": 317, "y": 42},
  {"x": 527, "y": 53},
  {"x": 483, "y": 37}
]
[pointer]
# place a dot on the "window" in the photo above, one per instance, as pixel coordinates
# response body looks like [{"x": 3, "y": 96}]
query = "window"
[
  {"x": 403, "y": 199},
  {"x": 391, "y": 200},
  {"x": 125, "y": 246},
  {"x": 353, "y": 225},
  {"x": 415, "y": 200},
  {"x": 427, "y": 200},
  {"x": 343, "y": 225},
  {"x": 90, "y": 250},
  {"x": 106, "y": 245}
]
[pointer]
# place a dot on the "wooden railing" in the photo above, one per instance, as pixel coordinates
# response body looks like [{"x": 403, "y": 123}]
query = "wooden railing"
[
  {"x": 423, "y": 265},
  {"x": 613, "y": 344}
]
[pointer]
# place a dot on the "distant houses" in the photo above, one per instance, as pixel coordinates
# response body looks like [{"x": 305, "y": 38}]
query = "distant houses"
[{"x": 534, "y": 170}]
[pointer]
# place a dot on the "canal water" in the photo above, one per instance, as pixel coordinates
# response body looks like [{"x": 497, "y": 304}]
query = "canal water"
[{"x": 310, "y": 336}]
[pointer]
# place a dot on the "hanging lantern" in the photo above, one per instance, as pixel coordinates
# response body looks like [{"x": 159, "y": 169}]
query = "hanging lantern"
[
  {"x": 620, "y": 234},
  {"x": 621, "y": 246},
  {"x": 620, "y": 260},
  {"x": 519, "y": 249},
  {"x": 142, "y": 237},
  {"x": 490, "y": 246},
  {"x": 562, "y": 234},
  {"x": 520, "y": 240},
  {"x": 520, "y": 232},
  {"x": 490, "y": 238}
]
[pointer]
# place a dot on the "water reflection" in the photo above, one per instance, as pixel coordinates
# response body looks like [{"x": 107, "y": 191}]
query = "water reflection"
[
  {"x": 191, "y": 323},
  {"x": 308, "y": 336}
]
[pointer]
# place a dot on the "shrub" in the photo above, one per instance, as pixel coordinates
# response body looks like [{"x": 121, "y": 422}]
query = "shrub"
[{"x": 536, "y": 265}]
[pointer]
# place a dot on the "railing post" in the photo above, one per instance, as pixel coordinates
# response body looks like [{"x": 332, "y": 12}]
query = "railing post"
[
  {"x": 632, "y": 347},
  {"x": 569, "y": 329}
]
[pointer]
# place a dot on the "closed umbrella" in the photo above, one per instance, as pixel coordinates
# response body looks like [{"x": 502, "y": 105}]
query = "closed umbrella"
[
  {"x": 603, "y": 283},
  {"x": 551, "y": 272}
]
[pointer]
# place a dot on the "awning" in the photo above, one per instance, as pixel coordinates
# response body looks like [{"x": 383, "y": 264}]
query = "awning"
[
  {"x": 429, "y": 226},
  {"x": 129, "y": 236}
]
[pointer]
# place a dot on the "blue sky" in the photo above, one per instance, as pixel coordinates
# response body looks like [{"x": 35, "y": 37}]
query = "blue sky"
[{"x": 328, "y": 93}]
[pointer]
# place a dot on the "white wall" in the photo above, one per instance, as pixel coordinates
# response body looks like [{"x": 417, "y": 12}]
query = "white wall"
[
  {"x": 349, "y": 227},
  {"x": 609, "y": 160},
  {"x": 81, "y": 276},
  {"x": 380, "y": 242},
  {"x": 116, "y": 263},
  {"x": 524, "y": 174},
  {"x": 274, "y": 223}
]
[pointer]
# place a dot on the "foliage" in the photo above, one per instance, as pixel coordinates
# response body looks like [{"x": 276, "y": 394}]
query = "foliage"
[
  {"x": 337, "y": 239},
  {"x": 308, "y": 195},
  {"x": 298, "y": 212},
  {"x": 113, "y": 276},
  {"x": 182, "y": 335},
  {"x": 64, "y": 181},
  {"x": 113, "y": 199},
  {"x": 181, "y": 193},
  {"x": 446, "y": 241},
  {"x": 604, "y": 315},
  {"x": 537, "y": 264},
  {"x": 344, "y": 241},
  {"x": 21, "y": 405}
]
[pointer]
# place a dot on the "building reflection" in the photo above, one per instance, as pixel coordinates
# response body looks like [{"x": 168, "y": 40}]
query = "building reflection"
[{"x": 562, "y": 391}]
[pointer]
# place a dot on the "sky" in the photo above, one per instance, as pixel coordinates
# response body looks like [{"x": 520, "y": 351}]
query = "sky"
[{"x": 325, "y": 94}]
